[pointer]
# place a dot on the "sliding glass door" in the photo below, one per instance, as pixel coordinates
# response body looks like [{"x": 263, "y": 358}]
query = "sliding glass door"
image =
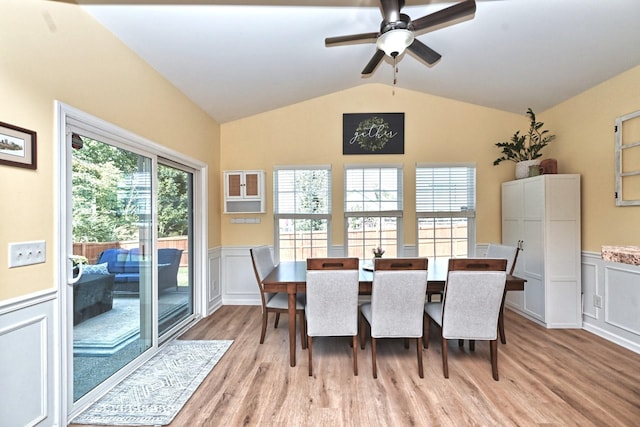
[
  {"x": 175, "y": 245},
  {"x": 112, "y": 239},
  {"x": 130, "y": 234}
]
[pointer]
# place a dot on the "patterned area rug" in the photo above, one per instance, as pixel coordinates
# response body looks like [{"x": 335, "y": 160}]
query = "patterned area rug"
[{"x": 155, "y": 392}]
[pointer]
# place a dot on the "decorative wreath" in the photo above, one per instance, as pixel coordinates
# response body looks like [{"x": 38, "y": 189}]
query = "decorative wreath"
[{"x": 373, "y": 134}]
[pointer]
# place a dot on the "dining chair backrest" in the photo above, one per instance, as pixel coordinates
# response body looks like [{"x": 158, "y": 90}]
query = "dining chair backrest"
[
  {"x": 332, "y": 296},
  {"x": 397, "y": 297},
  {"x": 472, "y": 298},
  {"x": 510, "y": 253},
  {"x": 262, "y": 265}
]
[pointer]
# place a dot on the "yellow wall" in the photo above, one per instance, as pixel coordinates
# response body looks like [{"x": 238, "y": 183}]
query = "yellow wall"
[
  {"x": 55, "y": 51},
  {"x": 585, "y": 145},
  {"x": 442, "y": 130},
  {"x": 436, "y": 130}
]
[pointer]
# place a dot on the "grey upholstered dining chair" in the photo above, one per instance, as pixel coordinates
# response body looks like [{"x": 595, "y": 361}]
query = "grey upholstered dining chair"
[
  {"x": 273, "y": 302},
  {"x": 471, "y": 305},
  {"x": 332, "y": 301},
  {"x": 510, "y": 253},
  {"x": 397, "y": 304}
]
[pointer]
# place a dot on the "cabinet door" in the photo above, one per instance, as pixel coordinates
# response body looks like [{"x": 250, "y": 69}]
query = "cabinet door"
[
  {"x": 233, "y": 184},
  {"x": 252, "y": 184},
  {"x": 512, "y": 232}
]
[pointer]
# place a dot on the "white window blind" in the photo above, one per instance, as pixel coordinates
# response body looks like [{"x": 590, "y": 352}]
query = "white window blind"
[
  {"x": 373, "y": 189},
  {"x": 449, "y": 189},
  {"x": 302, "y": 191}
]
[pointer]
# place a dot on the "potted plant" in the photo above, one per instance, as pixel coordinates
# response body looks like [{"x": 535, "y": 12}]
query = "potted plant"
[
  {"x": 524, "y": 149},
  {"x": 377, "y": 252}
]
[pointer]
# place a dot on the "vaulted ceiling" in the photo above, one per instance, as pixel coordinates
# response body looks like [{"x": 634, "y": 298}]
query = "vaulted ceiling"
[{"x": 237, "y": 59}]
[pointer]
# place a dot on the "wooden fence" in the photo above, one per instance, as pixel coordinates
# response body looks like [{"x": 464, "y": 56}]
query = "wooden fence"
[{"x": 92, "y": 250}]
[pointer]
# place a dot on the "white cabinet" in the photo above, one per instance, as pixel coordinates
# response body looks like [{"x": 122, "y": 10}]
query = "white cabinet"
[
  {"x": 544, "y": 212},
  {"x": 244, "y": 192}
]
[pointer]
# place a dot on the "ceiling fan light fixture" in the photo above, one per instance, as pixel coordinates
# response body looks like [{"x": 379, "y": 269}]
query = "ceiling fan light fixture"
[{"x": 394, "y": 42}]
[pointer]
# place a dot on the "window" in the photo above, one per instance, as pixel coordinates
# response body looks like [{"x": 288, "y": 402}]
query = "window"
[
  {"x": 445, "y": 210},
  {"x": 628, "y": 159},
  {"x": 372, "y": 210},
  {"x": 302, "y": 207}
]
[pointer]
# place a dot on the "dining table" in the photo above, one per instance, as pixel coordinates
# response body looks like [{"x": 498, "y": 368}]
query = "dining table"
[{"x": 291, "y": 276}]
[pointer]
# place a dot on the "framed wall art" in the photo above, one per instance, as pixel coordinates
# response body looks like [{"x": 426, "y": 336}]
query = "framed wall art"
[
  {"x": 17, "y": 146},
  {"x": 373, "y": 133}
]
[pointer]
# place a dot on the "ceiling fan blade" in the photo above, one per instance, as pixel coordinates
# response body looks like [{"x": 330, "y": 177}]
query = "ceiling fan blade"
[
  {"x": 350, "y": 38},
  {"x": 451, "y": 13},
  {"x": 423, "y": 51},
  {"x": 373, "y": 63},
  {"x": 391, "y": 9}
]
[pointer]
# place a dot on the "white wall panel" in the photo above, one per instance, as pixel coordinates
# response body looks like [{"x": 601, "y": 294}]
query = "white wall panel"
[
  {"x": 622, "y": 298},
  {"x": 618, "y": 287},
  {"x": 27, "y": 361},
  {"x": 214, "y": 282}
]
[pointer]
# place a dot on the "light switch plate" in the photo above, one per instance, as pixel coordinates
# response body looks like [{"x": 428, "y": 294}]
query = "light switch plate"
[{"x": 27, "y": 253}]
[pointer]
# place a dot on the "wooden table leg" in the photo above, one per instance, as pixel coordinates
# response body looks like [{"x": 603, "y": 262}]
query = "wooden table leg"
[{"x": 291, "y": 290}]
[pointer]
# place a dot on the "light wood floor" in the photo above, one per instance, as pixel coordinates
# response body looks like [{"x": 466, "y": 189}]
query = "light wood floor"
[{"x": 547, "y": 377}]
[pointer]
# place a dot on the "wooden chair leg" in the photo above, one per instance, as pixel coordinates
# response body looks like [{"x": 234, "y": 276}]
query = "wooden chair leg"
[
  {"x": 355, "y": 355},
  {"x": 303, "y": 330},
  {"x": 265, "y": 314},
  {"x": 445, "y": 364},
  {"x": 419, "y": 350},
  {"x": 503, "y": 337},
  {"x": 309, "y": 346},
  {"x": 472, "y": 345},
  {"x": 460, "y": 343},
  {"x": 275, "y": 325},
  {"x": 425, "y": 334},
  {"x": 494, "y": 359},
  {"x": 373, "y": 358},
  {"x": 362, "y": 331}
]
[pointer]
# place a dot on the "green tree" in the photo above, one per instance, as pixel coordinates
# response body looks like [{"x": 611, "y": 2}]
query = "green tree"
[
  {"x": 112, "y": 191},
  {"x": 312, "y": 191},
  {"x": 173, "y": 209},
  {"x": 101, "y": 213}
]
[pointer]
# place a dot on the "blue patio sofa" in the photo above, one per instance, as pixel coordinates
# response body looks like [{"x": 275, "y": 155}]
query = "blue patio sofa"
[{"x": 124, "y": 264}]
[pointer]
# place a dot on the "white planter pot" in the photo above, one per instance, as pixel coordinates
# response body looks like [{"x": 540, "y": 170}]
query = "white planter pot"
[{"x": 522, "y": 168}]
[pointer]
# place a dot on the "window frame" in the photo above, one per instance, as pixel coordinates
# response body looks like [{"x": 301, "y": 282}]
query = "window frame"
[
  {"x": 469, "y": 214},
  {"x": 297, "y": 216},
  {"x": 398, "y": 214}
]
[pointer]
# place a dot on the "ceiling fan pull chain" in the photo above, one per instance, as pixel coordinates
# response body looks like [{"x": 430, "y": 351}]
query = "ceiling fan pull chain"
[{"x": 395, "y": 74}]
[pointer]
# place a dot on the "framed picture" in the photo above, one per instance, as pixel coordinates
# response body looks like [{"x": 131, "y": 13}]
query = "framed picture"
[
  {"x": 17, "y": 146},
  {"x": 373, "y": 133}
]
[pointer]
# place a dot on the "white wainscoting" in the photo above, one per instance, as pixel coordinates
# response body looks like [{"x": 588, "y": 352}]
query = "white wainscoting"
[
  {"x": 213, "y": 293},
  {"x": 239, "y": 285},
  {"x": 28, "y": 360},
  {"x": 615, "y": 288}
]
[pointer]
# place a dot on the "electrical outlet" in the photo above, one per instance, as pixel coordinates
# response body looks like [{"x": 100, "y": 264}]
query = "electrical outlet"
[
  {"x": 27, "y": 253},
  {"x": 597, "y": 301}
]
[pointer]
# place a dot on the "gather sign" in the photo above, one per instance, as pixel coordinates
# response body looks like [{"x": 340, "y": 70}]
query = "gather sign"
[{"x": 373, "y": 133}]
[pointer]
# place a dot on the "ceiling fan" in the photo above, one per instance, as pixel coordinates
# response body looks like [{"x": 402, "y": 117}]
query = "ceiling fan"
[{"x": 397, "y": 31}]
